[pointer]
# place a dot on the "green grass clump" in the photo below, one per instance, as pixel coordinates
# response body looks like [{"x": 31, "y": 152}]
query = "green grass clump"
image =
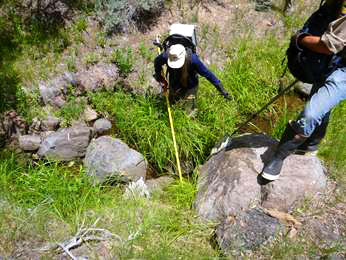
[
  {"x": 124, "y": 60},
  {"x": 143, "y": 123},
  {"x": 333, "y": 146},
  {"x": 50, "y": 202},
  {"x": 63, "y": 190}
]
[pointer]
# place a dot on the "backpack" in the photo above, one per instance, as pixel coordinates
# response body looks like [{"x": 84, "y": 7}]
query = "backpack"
[
  {"x": 184, "y": 34},
  {"x": 308, "y": 66}
]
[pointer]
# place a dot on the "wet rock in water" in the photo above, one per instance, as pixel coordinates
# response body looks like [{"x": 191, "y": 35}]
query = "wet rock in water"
[
  {"x": 66, "y": 144},
  {"x": 102, "y": 125},
  {"x": 229, "y": 182},
  {"x": 29, "y": 142},
  {"x": 109, "y": 159},
  {"x": 247, "y": 231}
]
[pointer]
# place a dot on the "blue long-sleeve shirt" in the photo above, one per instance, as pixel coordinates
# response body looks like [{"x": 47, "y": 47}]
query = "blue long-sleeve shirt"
[{"x": 196, "y": 67}]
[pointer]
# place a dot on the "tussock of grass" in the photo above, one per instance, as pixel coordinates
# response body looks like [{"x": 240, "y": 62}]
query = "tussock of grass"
[
  {"x": 142, "y": 121},
  {"x": 61, "y": 189}
]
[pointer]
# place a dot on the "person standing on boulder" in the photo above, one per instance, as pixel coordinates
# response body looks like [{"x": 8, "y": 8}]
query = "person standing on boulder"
[
  {"x": 183, "y": 68},
  {"x": 309, "y": 129}
]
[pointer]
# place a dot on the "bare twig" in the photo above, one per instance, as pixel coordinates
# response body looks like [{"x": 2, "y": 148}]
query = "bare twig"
[
  {"x": 83, "y": 235},
  {"x": 67, "y": 251}
]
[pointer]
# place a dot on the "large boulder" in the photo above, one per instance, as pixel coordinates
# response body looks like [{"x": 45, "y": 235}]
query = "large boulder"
[
  {"x": 66, "y": 144},
  {"x": 229, "y": 182},
  {"x": 110, "y": 158},
  {"x": 247, "y": 231}
]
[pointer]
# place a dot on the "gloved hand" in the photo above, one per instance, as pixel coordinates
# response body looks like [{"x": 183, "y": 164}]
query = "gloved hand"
[
  {"x": 227, "y": 96},
  {"x": 159, "y": 78},
  {"x": 224, "y": 92}
]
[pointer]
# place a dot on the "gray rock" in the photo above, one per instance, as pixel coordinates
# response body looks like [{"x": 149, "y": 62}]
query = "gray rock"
[
  {"x": 45, "y": 134},
  {"x": 247, "y": 231},
  {"x": 89, "y": 114},
  {"x": 50, "y": 124},
  {"x": 29, "y": 142},
  {"x": 35, "y": 126},
  {"x": 303, "y": 88},
  {"x": 229, "y": 182},
  {"x": 301, "y": 176},
  {"x": 48, "y": 94},
  {"x": 53, "y": 92},
  {"x": 99, "y": 76},
  {"x": 102, "y": 125},
  {"x": 66, "y": 144},
  {"x": 70, "y": 78},
  {"x": 107, "y": 157}
]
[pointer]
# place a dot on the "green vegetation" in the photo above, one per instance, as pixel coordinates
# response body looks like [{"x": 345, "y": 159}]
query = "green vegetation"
[
  {"x": 44, "y": 202},
  {"x": 124, "y": 60},
  {"x": 121, "y": 15}
]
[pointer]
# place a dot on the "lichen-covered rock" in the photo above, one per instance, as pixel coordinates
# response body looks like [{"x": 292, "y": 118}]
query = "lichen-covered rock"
[
  {"x": 102, "y": 125},
  {"x": 89, "y": 114},
  {"x": 229, "y": 183},
  {"x": 51, "y": 123},
  {"x": 29, "y": 142},
  {"x": 66, "y": 144},
  {"x": 247, "y": 231},
  {"x": 107, "y": 158},
  {"x": 97, "y": 77}
]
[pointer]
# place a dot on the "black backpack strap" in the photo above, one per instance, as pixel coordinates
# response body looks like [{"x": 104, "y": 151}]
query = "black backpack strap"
[
  {"x": 321, "y": 2},
  {"x": 178, "y": 39}
]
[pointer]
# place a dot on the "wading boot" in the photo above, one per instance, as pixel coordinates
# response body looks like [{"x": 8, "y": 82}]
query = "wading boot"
[
  {"x": 311, "y": 144},
  {"x": 289, "y": 142}
]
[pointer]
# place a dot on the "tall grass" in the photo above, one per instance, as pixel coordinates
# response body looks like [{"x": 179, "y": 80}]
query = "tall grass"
[
  {"x": 333, "y": 147},
  {"x": 63, "y": 190},
  {"x": 250, "y": 76}
]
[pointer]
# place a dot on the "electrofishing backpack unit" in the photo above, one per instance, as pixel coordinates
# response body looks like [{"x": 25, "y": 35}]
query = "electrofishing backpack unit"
[
  {"x": 184, "y": 34},
  {"x": 308, "y": 66}
]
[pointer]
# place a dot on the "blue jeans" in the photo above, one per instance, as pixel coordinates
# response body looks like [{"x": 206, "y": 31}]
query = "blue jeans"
[{"x": 324, "y": 97}]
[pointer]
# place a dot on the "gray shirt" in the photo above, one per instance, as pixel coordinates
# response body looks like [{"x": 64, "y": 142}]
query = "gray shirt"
[{"x": 335, "y": 36}]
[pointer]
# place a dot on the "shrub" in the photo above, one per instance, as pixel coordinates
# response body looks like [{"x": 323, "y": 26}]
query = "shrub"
[
  {"x": 121, "y": 15},
  {"x": 124, "y": 60}
]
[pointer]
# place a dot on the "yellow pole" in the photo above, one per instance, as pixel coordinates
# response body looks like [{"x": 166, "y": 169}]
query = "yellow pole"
[{"x": 166, "y": 93}]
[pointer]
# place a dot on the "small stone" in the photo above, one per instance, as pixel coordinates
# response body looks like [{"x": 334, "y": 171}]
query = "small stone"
[
  {"x": 50, "y": 124},
  {"x": 29, "y": 142},
  {"x": 90, "y": 114},
  {"x": 102, "y": 125}
]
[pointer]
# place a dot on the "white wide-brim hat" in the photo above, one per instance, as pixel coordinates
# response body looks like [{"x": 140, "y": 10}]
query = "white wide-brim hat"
[{"x": 176, "y": 56}]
